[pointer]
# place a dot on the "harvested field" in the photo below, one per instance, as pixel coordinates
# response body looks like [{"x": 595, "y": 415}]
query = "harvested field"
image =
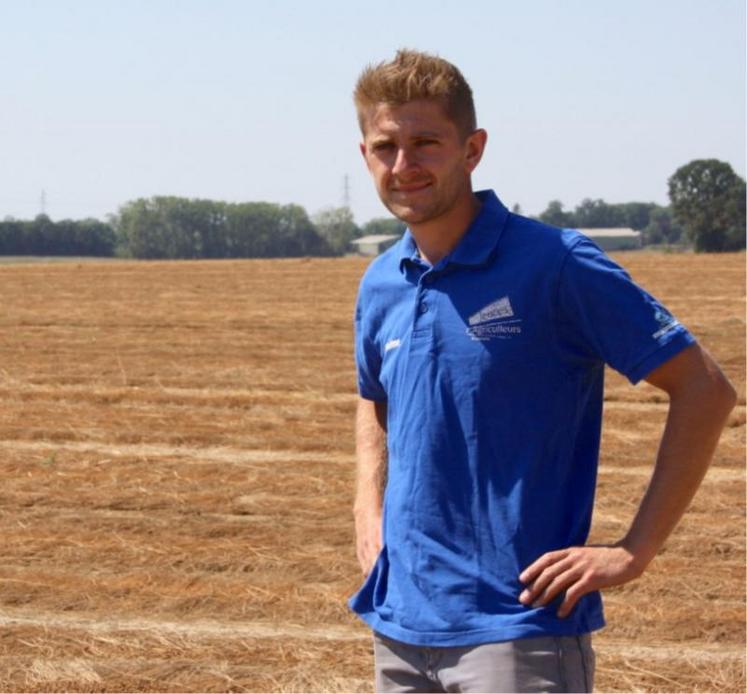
[{"x": 177, "y": 458}]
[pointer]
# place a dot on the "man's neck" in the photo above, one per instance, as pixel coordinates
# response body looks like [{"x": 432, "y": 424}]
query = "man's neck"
[{"x": 438, "y": 237}]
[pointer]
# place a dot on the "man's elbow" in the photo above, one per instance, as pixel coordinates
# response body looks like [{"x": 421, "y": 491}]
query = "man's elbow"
[
  {"x": 694, "y": 379},
  {"x": 725, "y": 393},
  {"x": 716, "y": 394}
]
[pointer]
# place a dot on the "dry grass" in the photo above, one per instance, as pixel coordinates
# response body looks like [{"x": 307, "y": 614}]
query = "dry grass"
[{"x": 176, "y": 453}]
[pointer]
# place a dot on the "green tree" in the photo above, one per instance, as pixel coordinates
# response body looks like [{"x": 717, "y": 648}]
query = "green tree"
[
  {"x": 12, "y": 236},
  {"x": 40, "y": 237},
  {"x": 597, "y": 214},
  {"x": 636, "y": 215},
  {"x": 251, "y": 229},
  {"x": 383, "y": 225},
  {"x": 139, "y": 229},
  {"x": 296, "y": 235},
  {"x": 556, "y": 215},
  {"x": 169, "y": 227},
  {"x": 708, "y": 199},
  {"x": 94, "y": 237},
  {"x": 337, "y": 227},
  {"x": 662, "y": 227}
]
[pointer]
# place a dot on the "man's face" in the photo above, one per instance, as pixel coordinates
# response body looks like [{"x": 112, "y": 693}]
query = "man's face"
[{"x": 420, "y": 163}]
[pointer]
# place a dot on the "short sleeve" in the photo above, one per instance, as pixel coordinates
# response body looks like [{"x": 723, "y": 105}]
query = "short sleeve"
[
  {"x": 604, "y": 315},
  {"x": 367, "y": 354}
]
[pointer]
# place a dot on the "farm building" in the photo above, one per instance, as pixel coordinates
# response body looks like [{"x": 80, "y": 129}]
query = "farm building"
[
  {"x": 609, "y": 239},
  {"x": 373, "y": 244},
  {"x": 614, "y": 239}
]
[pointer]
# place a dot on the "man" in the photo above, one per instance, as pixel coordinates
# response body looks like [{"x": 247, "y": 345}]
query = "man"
[{"x": 481, "y": 339}]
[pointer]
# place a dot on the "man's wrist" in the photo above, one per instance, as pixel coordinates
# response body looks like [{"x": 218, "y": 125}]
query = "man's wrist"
[
  {"x": 639, "y": 554},
  {"x": 367, "y": 506}
]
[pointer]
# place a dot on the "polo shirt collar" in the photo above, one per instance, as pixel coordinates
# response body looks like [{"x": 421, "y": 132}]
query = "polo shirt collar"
[{"x": 480, "y": 241}]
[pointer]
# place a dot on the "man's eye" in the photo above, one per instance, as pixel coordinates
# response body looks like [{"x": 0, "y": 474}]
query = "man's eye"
[{"x": 382, "y": 146}]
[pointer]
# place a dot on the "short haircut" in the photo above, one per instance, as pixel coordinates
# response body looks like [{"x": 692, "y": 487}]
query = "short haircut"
[{"x": 411, "y": 76}]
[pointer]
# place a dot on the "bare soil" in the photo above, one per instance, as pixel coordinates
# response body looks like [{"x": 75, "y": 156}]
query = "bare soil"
[{"x": 176, "y": 452}]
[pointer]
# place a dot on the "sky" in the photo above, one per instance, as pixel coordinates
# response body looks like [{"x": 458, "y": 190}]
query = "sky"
[{"x": 106, "y": 101}]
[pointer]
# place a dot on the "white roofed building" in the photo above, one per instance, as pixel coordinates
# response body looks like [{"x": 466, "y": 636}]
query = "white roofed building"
[
  {"x": 614, "y": 239},
  {"x": 373, "y": 244}
]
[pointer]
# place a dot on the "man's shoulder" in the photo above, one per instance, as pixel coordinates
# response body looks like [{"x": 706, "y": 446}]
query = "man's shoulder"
[
  {"x": 544, "y": 242},
  {"x": 384, "y": 269},
  {"x": 546, "y": 235}
]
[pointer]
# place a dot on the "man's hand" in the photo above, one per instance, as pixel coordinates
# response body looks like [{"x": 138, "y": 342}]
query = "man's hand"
[
  {"x": 576, "y": 571},
  {"x": 367, "y": 538}
]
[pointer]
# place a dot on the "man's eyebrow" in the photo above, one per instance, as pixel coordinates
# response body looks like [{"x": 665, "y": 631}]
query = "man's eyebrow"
[
  {"x": 428, "y": 133},
  {"x": 386, "y": 137}
]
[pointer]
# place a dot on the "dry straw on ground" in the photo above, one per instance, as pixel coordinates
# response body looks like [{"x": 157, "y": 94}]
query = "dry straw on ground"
[{"x": 176, "y": 452}]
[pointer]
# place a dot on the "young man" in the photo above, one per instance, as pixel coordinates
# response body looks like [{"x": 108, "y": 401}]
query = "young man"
[{"x": 481, "y": 339}]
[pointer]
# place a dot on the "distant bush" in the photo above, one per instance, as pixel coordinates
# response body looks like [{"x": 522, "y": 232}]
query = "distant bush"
[
  {"x": 172, "y": 227},
  {"x": 42, "y": 236}
]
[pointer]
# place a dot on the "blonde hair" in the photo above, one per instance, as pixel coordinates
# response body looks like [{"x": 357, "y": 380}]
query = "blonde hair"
[{"x": 413, "y": 75}]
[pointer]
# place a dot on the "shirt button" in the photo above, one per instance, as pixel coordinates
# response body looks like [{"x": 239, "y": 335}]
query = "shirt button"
[{"x": 423, "y": 307}]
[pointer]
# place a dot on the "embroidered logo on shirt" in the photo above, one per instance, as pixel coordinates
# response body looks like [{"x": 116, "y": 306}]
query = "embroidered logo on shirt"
[
  {"x": 490, "y": 322},
  {"x": 392, "y": 344},
  {"x": 666, "y": 323},
  {"x": 497, "y": 309}
]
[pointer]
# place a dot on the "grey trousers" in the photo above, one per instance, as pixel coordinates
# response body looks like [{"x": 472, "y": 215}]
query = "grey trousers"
[{"x": 544, "y": 664}]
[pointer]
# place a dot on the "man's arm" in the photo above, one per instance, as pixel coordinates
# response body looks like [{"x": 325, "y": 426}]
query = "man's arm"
[
  {"x": 700, "y": 399},
  {"x": 371, "y": 454}
]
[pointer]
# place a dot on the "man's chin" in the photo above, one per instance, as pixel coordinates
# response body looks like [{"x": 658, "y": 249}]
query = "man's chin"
[{"x": 408, "y": 215}]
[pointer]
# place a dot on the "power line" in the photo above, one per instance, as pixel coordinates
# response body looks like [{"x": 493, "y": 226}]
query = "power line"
[{"x": 346, "y": 191}]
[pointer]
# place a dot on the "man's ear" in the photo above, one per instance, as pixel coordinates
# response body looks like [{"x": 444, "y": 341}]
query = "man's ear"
[
  {"x": 476, "y": 142},
  {"x": 363, "y": 150}
]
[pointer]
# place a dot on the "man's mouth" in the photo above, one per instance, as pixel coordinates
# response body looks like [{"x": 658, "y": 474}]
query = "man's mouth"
[{"x": 410, "y": 187}]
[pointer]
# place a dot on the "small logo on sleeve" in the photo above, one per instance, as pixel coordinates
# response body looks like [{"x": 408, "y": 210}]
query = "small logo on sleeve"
[{"x": 666, "y": 322}]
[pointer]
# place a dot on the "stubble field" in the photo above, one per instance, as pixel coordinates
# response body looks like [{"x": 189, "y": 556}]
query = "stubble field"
[{"x": 176, "y": 454}]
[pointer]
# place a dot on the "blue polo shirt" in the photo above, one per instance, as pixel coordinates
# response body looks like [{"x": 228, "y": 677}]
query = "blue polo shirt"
[{"x": 492, "y": 364}]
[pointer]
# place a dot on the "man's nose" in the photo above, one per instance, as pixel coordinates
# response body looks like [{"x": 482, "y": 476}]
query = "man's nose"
[{"x": 403, "y": 161}]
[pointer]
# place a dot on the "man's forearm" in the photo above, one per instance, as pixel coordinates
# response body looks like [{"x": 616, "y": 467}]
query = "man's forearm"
[
  {"x": 698, "y": 411},
  {"x": 370, "y": 449},
  {"x": 371, "y": 457}
]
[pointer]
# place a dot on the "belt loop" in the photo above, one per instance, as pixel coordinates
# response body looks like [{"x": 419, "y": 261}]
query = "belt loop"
[
  {"x": 561, "y": 662},
  {"x": 584, "y": 663}
]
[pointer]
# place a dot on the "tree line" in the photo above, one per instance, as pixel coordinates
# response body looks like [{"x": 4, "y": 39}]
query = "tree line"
[
  {"x": 42, "y": 236},
  {"x": 173, "y": 227},
  {"x": 655, "y": 222},
  {"x": 707, "y": 210}
]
